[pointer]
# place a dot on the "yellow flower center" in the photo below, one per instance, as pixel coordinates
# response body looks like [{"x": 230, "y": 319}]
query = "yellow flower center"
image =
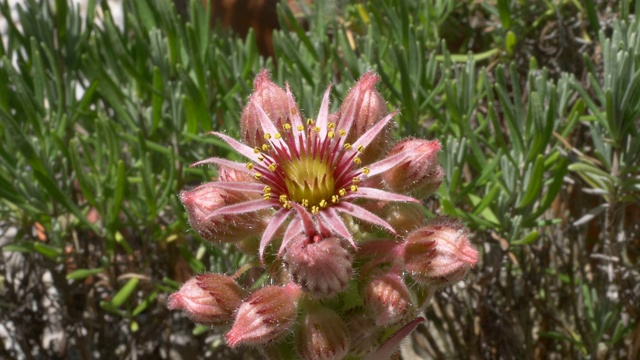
[{"x": 309, "y": 181}]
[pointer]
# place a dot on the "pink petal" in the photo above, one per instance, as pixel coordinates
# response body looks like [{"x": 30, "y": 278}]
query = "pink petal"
[
  {"x": 371, "y": 134},
  {"x": 323, "y": 114},
  {"x": 224, "y": 162},
  {"x": 238, "y": 186},
  {"x": 295, "y": 118},
  {"x": 267, "y": 125},
  {"x": 294, "y": 229},
  {"x": 275, "y": 223},
  {"x": 335, "y": 222},
  {"x": 241, "y": 148},
  {"x": 346, "y": 118},
  {"x": 387, "y": 163},
  {"x": 363, "y": 214},
  {"x": 386, "y": 350},
  {"x": 305, "y": 218},
  {"x": 243, "y": 207},
  {"x": 377, "y": 194}
]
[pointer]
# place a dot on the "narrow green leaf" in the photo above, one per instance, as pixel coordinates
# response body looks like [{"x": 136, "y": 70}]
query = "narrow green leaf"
[
  {"x": 81, "y": 274},
  {"x": 125, "y": 292},
  {"x": 527, "y": 239},
  {"x": 47, "y": 250},
  {"x": 532, "y": 187}
]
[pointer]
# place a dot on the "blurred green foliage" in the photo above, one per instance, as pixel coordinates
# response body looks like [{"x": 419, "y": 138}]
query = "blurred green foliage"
[{"x": 100, "y": 121}]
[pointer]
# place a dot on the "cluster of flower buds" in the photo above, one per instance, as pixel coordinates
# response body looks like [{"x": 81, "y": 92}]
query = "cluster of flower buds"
[{"x": 333, "y": 213}]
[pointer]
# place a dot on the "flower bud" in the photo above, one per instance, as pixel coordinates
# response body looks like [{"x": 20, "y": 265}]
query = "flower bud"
[
  {"x": 322, "y": 267},
  {"x": 322, "y": 335},
  {"x": 439, "y": 254},
  {"x": 364, "y": 334},
  {"x": 265, "y": 315},
  {"x": 369, "y": 109},
  {"x": 209, "y": 299},
  {"x": 421, "y": 174},
  {"x": 272, "y": 99},
  {"x": 388, "y": 299},
  {"x": 203, "y": 200}
]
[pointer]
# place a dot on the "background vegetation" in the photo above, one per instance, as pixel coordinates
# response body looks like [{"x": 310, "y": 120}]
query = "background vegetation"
[{"x": 537, "y": 104}]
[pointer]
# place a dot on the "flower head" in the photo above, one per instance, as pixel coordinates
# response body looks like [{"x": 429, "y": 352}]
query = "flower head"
[
  {"x": 322, "y": 335},
  {"x": 439, "y": 254},
  {"x": 209, "y": 299},
  {"x": 265, "y": 315},
  {"x": 308, "y": 171}
]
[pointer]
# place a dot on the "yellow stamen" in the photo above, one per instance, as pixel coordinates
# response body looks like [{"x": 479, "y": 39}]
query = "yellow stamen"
[
  {"x": 365, "y": 171},
  {"x": 256, "y": 150},
  {"x": 355, "y": 180},
  {"x": 277, "y": 136},
  {"x": 335, "y": 199},
  {"x": 266, "y": 190},
  {"x": 316, "y": 128},
  {"x": 286, "y": 205},
  {"x": 300, "y": 127},
  {"x": 249, "y": 166},
  {"x": 267, "y": 136},
  {"x": 331, "y": 134},
  {"x": 260, "y": 158},
  {"x": 357, "y": 161},
  {"x": 287, "y": 126},
  {"x": 342, "y": 192},
  {"x": 257, "y": 176},
  {"x": 266, "y": 196},
  {"x": 342, "y": 132},
  {"x": 323, "y": 203},
  {"x": 354, "y": 188},
  {"x": 360, "y": 149},
  {"x": 347, "y": 146},
  {"x": 283, "y": 198},
  {"x": 272, "y": 167},
  {"x": 315, "y": 210},
  {"x": 305, "y": 202},
  {"x": 265, "y": 147},
  {"x": 331, "y": 125}
]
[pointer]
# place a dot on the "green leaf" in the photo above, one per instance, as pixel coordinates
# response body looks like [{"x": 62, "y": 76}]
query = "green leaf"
[
  {"x": 534, "y": 184},
  {"x": 125, "y": 292},
  {"x": 81, "y": 274}
]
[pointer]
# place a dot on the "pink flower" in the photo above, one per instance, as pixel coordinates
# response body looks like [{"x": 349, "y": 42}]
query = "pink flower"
[
  {"x": 439, "y": 254},
  {"x": 209, "y": 299},
  {"x": 388, "y": 299},
  {"x": 321, "y": 266},
  {"x": 308, "y": 172},
  {"x": 265, "y": 315},
  {"x": 420, "y": 175},
  {"x": 322, "y": 335}
]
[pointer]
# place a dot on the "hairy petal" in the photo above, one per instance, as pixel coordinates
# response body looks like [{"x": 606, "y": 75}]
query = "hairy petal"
[
  {"x": 365, "y": 215},
  {"x": 244, "y": 207},
  {"x": 387, "y": 163},
  {"x": 372, "y": 133},
  {"x": 241, "y": 148},
  {"x": 278, "y": 219},
  {"x": 333, "y": 220},
  {"x": 377, "y": 194}
]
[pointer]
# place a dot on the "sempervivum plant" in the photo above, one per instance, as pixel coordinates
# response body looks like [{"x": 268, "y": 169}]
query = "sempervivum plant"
[{"x": 335, "y": 215}]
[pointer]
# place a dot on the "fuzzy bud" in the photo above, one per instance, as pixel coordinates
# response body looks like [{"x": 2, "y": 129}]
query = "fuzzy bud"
[
  {"x": 322, "y": 335},
  {"x": 203, "y": 200},
  {"x": 272, "y": 99},
  {"x": 265, "y": 315},
  {"x": 403, "y": 217},
  {"x": 322, "y": 267},
  {"x": 369, "y": 109},
  {"x": 388, "y": 299},
  {"x": 421, "y": 174},
  {"x": 209, "y": 299},
  {"x": 364, "y": 334},
  {"x": 439, "y": 254}
]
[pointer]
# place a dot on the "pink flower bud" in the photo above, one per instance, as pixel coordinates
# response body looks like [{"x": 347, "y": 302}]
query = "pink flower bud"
[
  {"x": 209, "y": 299},
  {"x": 322, "y": 335},
  {"x": 322, "y": 267},
  {"x": 272, "y": 99},
  {"x": 439, "y": 254},
  {"x": 369, "y": 109},
  {"x": 265, "y": 315},
  {"x": 421, "y": 174},
  {"x": 203, "y": 200},
  {"x": 388, "y": 299},
  {"x": 365, "y": 335}
]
